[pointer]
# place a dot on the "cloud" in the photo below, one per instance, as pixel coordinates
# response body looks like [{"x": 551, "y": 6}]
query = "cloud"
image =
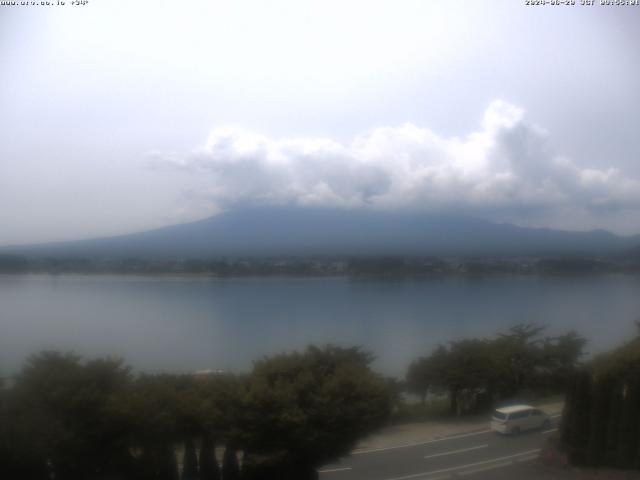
[{"x": 504, "y": 169}]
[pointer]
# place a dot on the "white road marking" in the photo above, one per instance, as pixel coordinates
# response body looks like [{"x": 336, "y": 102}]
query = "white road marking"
[
  {"x": 427, "y": 442},
  {"x": 527, "y": 459},
  {"x": 461, "y": 467},
  {"x": 441, "y": 477},
  {"x": 453, "y": 452},
  {"x": 484, "y": 469},
  {"x": 331, "y": 470},
  {"x": 549, "y": 431}
]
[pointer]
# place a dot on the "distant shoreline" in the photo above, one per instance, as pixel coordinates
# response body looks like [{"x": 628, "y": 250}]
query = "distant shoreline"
[
  {"x": 213, "y": 276},
  {"x": 353, "y": 266}
]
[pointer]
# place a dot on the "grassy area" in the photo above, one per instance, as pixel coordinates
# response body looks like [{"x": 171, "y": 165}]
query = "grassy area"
[
  {"x": 555, "y": 398},
  {"x": 418, "y": 412}
]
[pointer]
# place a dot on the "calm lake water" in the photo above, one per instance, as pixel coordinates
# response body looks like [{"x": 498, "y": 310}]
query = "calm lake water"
[{"x": 183, "y": 324}]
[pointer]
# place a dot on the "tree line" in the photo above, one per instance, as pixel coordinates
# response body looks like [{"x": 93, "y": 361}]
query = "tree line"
[
  {"x": 72, "y": 419},
  {"x": 476, "y": 373},
  {"x": 67, "y": 418},
  {"x": 386, "y": 266},
  {"x": 601, "y": 420}
]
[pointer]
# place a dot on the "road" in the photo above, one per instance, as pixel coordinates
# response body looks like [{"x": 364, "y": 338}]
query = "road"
[{"x": 476, "y": 455}]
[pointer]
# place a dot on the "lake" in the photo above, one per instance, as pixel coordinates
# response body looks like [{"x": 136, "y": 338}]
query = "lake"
[{"x": 188, "y": 323}]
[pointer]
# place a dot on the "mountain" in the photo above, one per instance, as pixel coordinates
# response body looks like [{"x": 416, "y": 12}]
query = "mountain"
[{"x": 280, "y": 231}]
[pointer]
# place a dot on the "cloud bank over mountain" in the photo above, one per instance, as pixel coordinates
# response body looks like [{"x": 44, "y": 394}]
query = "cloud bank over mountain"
[{"x": 504, "y": 170}]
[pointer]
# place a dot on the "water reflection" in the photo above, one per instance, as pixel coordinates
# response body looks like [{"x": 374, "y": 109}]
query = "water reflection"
[{"x": 178, "y": 324}]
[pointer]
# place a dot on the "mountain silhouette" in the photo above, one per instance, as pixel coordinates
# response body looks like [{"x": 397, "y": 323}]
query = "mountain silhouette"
[{"x": 288, "y": 231}]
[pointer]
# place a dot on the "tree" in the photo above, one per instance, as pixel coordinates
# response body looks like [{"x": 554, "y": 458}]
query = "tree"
[
  {"x": 519, "y": 356},
  {"x": 306, "y": 409},
  {"x": 63, "y": 416},
  {"x": 465, "y": 369},
  {"x": 601, "y": 422},
  {"x": 230, "y": 467},
  {"x": 599, "y": 419},
  {"x": 560, "y": 359},
  {"x": 190, "y": 461},
  {"x": 425, "y": 373},
  {"x": 216, "y": 403},
  {"x": 166, "y": 464},
  {"x": 209, "y": 469},
  {"x": 161, "y": 412},
  {"x": 476, "y": 371},
  {"x": 575, "y": 428},
  {"x": 18, "y": 456},
  {"x": 630, "y": 419}
]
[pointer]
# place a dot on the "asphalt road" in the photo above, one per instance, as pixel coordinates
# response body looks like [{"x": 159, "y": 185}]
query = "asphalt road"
[{"x": 476, "y": 455}]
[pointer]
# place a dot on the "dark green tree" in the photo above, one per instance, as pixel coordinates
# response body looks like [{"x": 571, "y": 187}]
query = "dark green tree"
[
  {"x": 612, "y": 446},
  {"x": 306, "y": 409},
  {"x": 230, "y": 466},
  {"x": 426, "y": 373},
  {"x": 155, "y": 407},
  {"x": 559, "y": 359},
  {"x": 519, "y": 354},
  {"x": 21, "y": 455},
  {"x": 575, "y": 420},
  {"x": 609, "y": 387},
  {"x": 209, "y": 469},
  {"x": 189, "y": 461},
  {"x": 628, "y": 440},
  {"x": 477, "y": 372},
  {"x": 599, "y": 419},
  {"x": 466, "y": 369},
  {"x": 218, "y": 405},
  {"x": 167, "y": 466},
  {"x": 64, "y": 413}
]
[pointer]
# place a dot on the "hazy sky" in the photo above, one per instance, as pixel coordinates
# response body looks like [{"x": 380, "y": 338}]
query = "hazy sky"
[{"x": 119, "y": 116}]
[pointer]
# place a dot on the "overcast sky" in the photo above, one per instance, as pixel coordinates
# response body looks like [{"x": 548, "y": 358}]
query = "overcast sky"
[{"x": 120, "y": 116}]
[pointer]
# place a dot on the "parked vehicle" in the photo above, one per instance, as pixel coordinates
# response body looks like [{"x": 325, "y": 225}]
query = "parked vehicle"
[{"x": 518, "y": 418}]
